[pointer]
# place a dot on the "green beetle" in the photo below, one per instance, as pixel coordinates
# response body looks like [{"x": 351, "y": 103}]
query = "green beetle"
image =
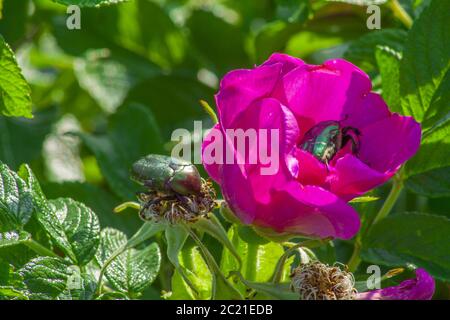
[
  {"x": 167, "y": 175},
  {"x": 325, "y": 139}
]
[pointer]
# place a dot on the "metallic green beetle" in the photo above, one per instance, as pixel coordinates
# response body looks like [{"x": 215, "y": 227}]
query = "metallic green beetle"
[
  {"x": 325, "y": 139},
  {"x": 167, "y": 175}
]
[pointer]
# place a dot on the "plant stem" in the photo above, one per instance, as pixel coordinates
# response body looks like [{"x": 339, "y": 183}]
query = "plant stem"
[
  {"x": 278, "y": 273},
  {"x": 396, "y": 189},
  {"x": 209, "y": 111},
  {"x": 125, "y": 205},
  {"x": 400, "y": 13},
  {"x": 252, "y": 261},
  {"x": 40, "y": 249},
  {"x": 355, "y": 259},
  {"x": 391, "y": 199}
]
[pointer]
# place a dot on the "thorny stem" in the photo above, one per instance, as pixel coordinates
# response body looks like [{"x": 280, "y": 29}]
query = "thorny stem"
[
  {"x": 395, "y": 192},
  {"x": 400, "y": 13},
  {"x": 40, "y": 249}
]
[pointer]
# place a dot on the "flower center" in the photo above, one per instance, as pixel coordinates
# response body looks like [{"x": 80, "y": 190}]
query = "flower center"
[
  {"x": 317, "y": 281},
  {"x": 326, "y": 138}
]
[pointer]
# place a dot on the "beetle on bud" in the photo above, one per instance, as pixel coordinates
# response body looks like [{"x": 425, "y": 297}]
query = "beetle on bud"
[
  {"x": 167, "y": 175},
  {"x": 175, "y": 189}
]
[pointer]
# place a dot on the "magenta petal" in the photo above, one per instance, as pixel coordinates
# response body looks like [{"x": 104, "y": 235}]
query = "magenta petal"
[
  {"x": 308, "y": 211},
  {"x": 388, "y": 143},
  {"x": 350, "y": 177},
  {"x": 212, "y": 168},
  {"x": 372, "y": 109},
  {"x": 268, "y": 114},
  {"x": 240, "y": 88},
  {"x": 311, "y": 171},
  {"x": 289, "y": 63},
  {"x": 238, "y": 193},
  {"x": 332, "y": 91},
  {"x": 243, "y": 184},
  {"x": 420, "y": 288}
]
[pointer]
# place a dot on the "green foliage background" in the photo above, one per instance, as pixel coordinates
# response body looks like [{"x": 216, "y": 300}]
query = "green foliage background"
[{"x": 79, "y": 106}]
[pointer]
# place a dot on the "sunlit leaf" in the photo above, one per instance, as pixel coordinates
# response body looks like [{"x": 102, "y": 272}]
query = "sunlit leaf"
[
  {"x": 16, "y": 204},
  {"x": 45, "y": 277},
  {"x": 12, "y": 238},
  {"x": 89, "y": 3},
  {"x": 133, "y": 270},
  {"x": 426, "y": 59},
  {"x": 418, "y": 239},
  {"x": 15, "y": 97}
]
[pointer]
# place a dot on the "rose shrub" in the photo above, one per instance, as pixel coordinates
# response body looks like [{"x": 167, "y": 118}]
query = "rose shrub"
[{"x": 309, "y": 194}]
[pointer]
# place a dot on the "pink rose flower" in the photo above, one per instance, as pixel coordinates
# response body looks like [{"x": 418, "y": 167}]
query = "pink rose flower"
[
  {"x": 309, "y": 192},
  {"x": 420, "y": 288}
]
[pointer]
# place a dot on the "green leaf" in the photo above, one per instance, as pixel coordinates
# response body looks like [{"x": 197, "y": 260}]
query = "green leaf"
[
  {"x": 16, "y": 205},
  {"x": 73, "y": 227},
  {"x": 249, "y": 235},
  {"x": 388, "y": 61},
  {"x": 115, "y": 295},
  {"x": 322, "y": 38},
  {"x": 12, "y": 238},
  {"x": 80, "y": 286},
  {"x": 99, "y": 200},
  {"x": 140, "y": 26},
  {"x": 13, "y": 23},
  {"x": 11, "y": 293},
  {"x": 434, "y": 183},
  {"x": 211, "y": 45},
  {"x": 45, "y": 277},
  {"x": 426, "y": 59},
  {"x": 258, "y": 261},
  {"x": 361, "y": 51},
  {"x": 280, "y": 291},
  {"x": 133, "y": 270},
  {"x": 364, "y": 199},
  {"x": 438, "y": 112},
  {"x": 427, "y": 171},
  {"x": 9, "y": 276},
  {"x": 197, "y": 273},
  {"x": 108, "y": 77},
  {"x": 145, "y": 232},
  {"x": 80, "y": 226},
  {"x": 293, "y": 10},
  {"x": 89, "y": 3},
  {"x": 133, "y": 133},
  {"x": 15, "y": 97},
  {"x": 413, "y": 238},
  {"x": 176, "y": 236},
  {"x": 273, "y": 37},
  {"x": 214, "y": 228},
  {"x": 20, "y": 132},
  {"x": 179, "y": 94},
  {"x": 361, "y": 2}
]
